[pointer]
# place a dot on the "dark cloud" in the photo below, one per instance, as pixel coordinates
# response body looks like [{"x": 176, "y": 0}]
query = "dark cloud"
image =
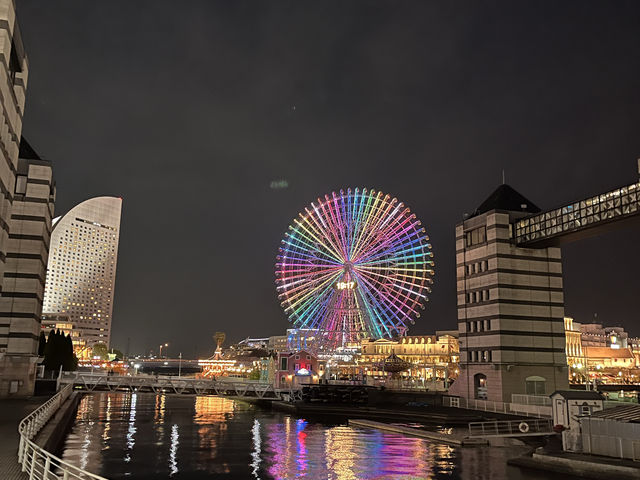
[{"x": 185, "y": 110}]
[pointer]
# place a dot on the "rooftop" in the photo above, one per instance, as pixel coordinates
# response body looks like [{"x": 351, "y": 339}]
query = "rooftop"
[
  {"x": 606, "y": 352},
  {"x": 578, "y": 394},
  {"x": 623, "y": 413},
  {"x": 506, "y": 198},
  {"x": 26, "y": 151}
]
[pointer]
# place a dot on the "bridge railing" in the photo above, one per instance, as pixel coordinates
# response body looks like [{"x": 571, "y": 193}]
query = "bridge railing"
[
  {"x": 219, "y": 386},
  {"x": 37, "y": 462},
  {"x": 510, "y": 427}
]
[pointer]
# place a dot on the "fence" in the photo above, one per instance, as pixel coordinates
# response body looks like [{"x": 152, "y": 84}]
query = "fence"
[
  {"x": 38, "y": 463},
  {"x": 541, "y": 400},
  {"x": 510, "y": 428},
  {"x": 610, "y": 438},
  {"x": 540, "y": 411}
]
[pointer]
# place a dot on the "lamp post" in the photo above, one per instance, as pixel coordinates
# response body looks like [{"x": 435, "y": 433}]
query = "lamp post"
[
  {"x": 180, "y": 365},
  {"x": 165, "y": 345}
]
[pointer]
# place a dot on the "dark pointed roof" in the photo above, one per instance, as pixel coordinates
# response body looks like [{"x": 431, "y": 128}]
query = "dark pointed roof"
[
  {"x": 506, "y": 198},
  {"x": 26, "y": 151}
]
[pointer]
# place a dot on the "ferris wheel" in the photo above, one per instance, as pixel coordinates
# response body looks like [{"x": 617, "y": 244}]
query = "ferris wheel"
[{"x": 356, "y": 264}]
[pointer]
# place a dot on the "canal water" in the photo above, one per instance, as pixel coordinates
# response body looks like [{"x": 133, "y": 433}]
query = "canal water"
[{"x": 148, "y": 436}]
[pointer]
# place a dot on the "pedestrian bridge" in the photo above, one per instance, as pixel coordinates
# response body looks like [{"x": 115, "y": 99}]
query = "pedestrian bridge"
[{"x": 227, "y": 387}]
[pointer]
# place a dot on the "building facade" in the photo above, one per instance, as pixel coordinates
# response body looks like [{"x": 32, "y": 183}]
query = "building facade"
[
  {"x": 23, "y": 281},
  {"x": 18, "y": 340},
  {"x": 510, "y": 306},
  {"x": 81, "y": 271},
  {"x": 573, "y": 335},
  {"x": 431, "y": 357},
  {"x": 294, "y": 369}
]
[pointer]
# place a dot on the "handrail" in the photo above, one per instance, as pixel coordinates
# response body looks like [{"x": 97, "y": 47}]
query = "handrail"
[{"x": 40, "y": 464}]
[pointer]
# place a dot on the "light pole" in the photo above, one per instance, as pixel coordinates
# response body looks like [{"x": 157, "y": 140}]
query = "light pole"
[
  {"x": 165, "y": 345},
  {"x": 180, "y": 365}
]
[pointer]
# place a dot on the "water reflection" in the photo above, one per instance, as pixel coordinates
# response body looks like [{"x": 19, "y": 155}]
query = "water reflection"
[
  {"x": 255, "y": 454},
  {"x": 173, "y": 462},
  {"x": 143, "y": 436},
  {"x": 131, "y": 431}
]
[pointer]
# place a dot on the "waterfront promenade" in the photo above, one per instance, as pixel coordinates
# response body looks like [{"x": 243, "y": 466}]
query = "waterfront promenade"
[{"x": 12, "y": 411}]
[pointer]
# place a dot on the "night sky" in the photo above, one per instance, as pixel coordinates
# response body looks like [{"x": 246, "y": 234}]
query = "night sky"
[{"x": 189, "y": 110}]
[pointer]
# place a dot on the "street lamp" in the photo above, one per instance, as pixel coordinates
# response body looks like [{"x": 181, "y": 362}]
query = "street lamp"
[{"x": 165, "y": 345}]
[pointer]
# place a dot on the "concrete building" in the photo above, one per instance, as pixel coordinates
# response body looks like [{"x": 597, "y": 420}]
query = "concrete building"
[
  {"x": 510, "y": 306},
  {"x": 81, "y": 271},
  {"x": 278, "y": 343},
  {"x": 593, "y": 335},
  {"x": 25, "y": 266},
  {"x": 597, "y": 335},
  {"x": 573, "y": 336},
  {"x": 17, "y": 343}
]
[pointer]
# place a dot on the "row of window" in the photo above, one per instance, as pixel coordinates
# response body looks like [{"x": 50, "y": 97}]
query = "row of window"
[
  {"x": 479, "y": 326},
  {"x": 480, "y": 356},
  {"x": 477, "y": 267},
  {"x": 478, "y": 296}
]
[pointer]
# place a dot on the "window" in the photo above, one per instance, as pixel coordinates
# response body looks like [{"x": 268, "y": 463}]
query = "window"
[
  {"x": 535, "y": 385},
  {"x": 476, "y": 236},
  {"x": 585, "y": 409},
  {"x": 284, "y": 363},
  {"x": 21, "y": 184}
]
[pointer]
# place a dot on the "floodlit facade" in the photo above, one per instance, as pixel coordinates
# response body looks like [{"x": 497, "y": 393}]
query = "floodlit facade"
[
  {"x": 81, "y": 272},
  {"x": 430, "y": 357}
]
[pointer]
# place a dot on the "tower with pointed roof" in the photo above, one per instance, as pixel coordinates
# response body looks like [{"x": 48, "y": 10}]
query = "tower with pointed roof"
[{"x": 510, "y": 306}]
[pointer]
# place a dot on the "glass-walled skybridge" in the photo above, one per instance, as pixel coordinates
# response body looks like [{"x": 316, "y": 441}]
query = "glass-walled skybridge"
[{"x": 578, "y": 220}]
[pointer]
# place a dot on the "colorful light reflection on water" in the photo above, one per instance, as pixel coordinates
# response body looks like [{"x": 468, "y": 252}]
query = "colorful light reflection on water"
[{"x": 144, "y": 436}]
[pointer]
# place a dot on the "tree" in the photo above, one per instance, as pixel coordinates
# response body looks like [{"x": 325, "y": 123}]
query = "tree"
[
  {"x": 69, "y": 360},
  {"x": 48, "y": 350},
  {"x": 100, "y": 350},
  {"x": 118, "y": 354},
  {"x": 255, "y": 374},
  {"x": 42, "y": 344},
  {"x": 58, "y": 352}
]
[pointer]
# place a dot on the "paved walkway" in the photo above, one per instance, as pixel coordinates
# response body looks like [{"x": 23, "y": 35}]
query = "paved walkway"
[{"x": 11, "y": 412}]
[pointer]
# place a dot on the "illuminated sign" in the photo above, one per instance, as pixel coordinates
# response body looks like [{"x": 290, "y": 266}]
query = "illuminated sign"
[
  {"x": 346, "y": 285},
  {"x": 303, "y": 371}
]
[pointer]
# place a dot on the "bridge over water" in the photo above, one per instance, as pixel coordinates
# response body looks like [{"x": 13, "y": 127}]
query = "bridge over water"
[{"x": 227, "y": 387}]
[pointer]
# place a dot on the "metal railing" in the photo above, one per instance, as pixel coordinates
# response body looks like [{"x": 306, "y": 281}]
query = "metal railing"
[
  {"x": 540, "y": 411},
  {"x": 511, "y": 428},
  {"x": 233, "y": 387},
  {"x": 542, "y": 400},
  {"x": 37, "y": 462}
]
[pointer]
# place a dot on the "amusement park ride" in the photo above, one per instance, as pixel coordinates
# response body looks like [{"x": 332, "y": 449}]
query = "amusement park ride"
[{"x": 354, "y": 265}]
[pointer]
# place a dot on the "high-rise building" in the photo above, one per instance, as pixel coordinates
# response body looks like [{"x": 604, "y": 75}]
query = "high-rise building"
[
  {"x": 81, "y": 272},
  {"x": 18, "y": 335}
]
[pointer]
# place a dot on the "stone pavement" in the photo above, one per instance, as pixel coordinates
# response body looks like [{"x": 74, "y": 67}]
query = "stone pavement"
[{"x": 11, "y": 412}]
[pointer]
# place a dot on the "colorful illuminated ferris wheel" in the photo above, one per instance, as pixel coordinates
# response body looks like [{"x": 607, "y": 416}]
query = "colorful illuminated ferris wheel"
[{"x": 356, "y": 264}]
